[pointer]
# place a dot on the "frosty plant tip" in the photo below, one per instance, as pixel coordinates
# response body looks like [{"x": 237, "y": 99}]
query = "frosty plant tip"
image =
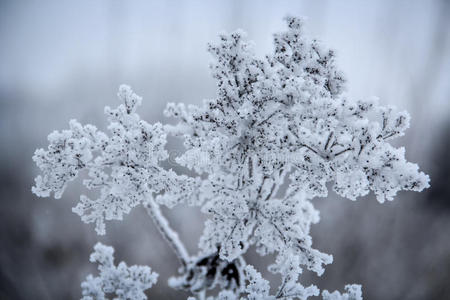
[{"x": 279, "y": 119}]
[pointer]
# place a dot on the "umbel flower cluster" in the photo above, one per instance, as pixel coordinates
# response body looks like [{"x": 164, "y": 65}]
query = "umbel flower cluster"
[{"x": 279, "y": 131}]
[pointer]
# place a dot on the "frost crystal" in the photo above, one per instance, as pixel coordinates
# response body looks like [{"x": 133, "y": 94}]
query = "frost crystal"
[
  {"x": 279, "y": 130},
  {"x": 122, "y": 281}
]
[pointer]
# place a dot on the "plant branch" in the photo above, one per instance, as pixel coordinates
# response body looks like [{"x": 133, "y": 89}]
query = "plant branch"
[{"x": 168, "y": 233}]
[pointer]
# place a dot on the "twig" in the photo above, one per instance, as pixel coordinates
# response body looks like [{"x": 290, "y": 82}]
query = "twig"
[
  {"x": 328, "y": 140},
  {"x": 268, "y": 118},
  {"x": 281, "y": 289},
  {"x": 168, "y": 233},
  {"x": 343, "y": 151}
]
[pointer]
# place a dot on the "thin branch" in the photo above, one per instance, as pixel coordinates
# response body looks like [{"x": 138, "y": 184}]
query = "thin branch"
[
  {"x": 311, "y": 149},
  {"x": 281, "y": 289},
  {"x": 232, "y": 231},
  {"x": 168, "y": 233},
  {"x": 343, "y": 151},
  {"x": 250, "y": 167},
  {"x": 391, "y": 134},
  {"x": 361, "y": 148},
  {"x": 385, "y": 119},
  {"x": 289, "y": 296},
  {"x": 268, "y": 118},
  {"x": 328, "y": 140},
  {"x": 275, "y": 226},
  {"x": 261, "y": 186},
  {"x": 272, "y": 189}
]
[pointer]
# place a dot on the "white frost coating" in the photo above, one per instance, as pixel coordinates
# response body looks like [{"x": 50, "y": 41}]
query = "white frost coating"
[
  {"x": 171, "y": 236},
  {"x": 125, "y": 283},
  {"x": 281, "y": 119},
  {"x": 122, "y": 166},
  {"x": 258, "y": 287},
  {"x": 353, "y": 292}
]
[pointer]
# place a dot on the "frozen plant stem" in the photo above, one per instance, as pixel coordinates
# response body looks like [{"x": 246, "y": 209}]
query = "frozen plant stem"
[{"x": 169, "y": 235}]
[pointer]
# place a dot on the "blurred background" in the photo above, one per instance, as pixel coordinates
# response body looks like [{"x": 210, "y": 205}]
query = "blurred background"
[{"x": 61, "y": 60}]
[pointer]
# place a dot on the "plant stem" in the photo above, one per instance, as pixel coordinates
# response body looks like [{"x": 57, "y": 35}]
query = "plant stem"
[{"x": 168, "y": 233}]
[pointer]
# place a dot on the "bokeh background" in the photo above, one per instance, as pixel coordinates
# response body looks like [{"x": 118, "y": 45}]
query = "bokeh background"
[{"x": 61, "y": 60}]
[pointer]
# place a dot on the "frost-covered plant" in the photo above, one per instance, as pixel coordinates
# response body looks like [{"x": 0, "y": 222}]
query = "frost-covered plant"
[
  {"x": 279, "y": 130},
  {"x": 125, "y": 282}
]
